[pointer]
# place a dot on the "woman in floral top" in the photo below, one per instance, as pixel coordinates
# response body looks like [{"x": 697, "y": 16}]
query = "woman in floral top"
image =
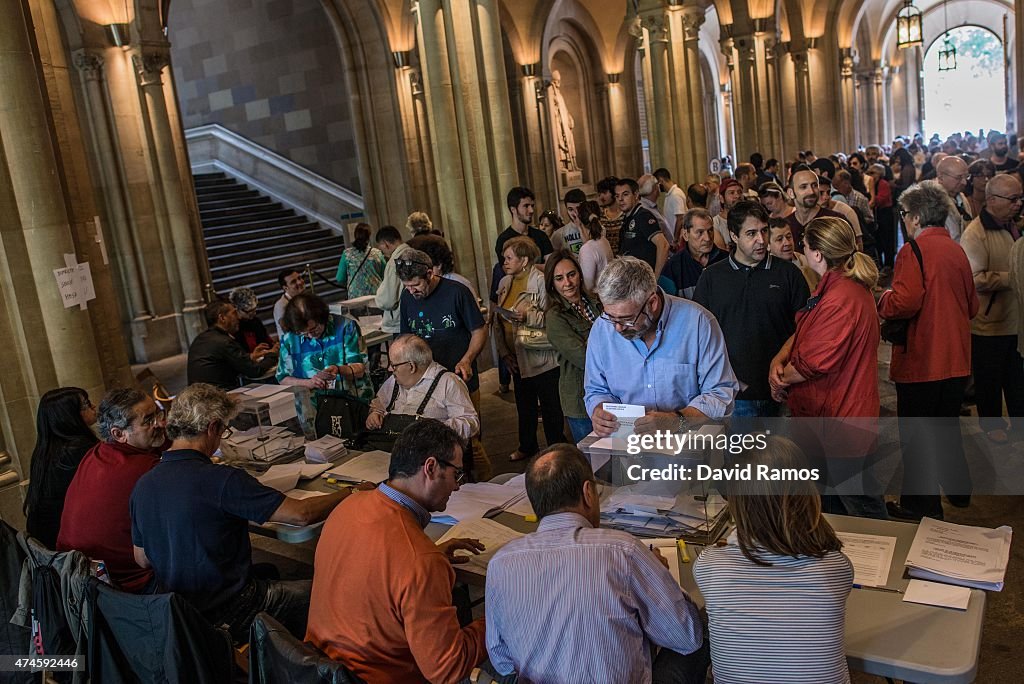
[
  {"x": 321, "y": 350},
  {"x": 361, "y": 267}
]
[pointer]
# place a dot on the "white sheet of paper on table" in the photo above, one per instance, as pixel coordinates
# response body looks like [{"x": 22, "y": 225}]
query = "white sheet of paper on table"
[
  {"x": 667, "y": 547},
  {"x": 305, "y": 471},
  {"x": 960, "y": 554},
  {"x": 282, "y": 407},
  {"x": 282, "y": 482},
  {"x": 871, "y": 555},
  {"x": 937, "y": 594},
  {"x": 476, "y": 500},
  {"x": 264, "y": 391},
  {"x": 491, "y": 534},
  {"x": 304, "y": 493},
  {"x": 371, "y": 466}
]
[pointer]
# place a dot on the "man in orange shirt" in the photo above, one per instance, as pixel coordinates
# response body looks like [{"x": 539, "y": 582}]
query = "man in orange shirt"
[{"x": 382, "y": 590}]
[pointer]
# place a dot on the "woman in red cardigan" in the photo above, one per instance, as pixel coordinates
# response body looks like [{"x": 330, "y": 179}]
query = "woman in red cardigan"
[{"x": 829, "y": 367}]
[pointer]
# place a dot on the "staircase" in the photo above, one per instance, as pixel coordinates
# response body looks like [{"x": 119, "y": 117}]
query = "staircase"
[{"x": 250, "y": 238}]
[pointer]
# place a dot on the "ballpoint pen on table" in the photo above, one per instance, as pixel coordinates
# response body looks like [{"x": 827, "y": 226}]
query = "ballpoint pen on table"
[{"x": 885, "y": 589}]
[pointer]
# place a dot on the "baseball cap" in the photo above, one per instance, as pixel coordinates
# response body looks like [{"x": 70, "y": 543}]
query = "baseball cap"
[{"x": 728, "y": 183}]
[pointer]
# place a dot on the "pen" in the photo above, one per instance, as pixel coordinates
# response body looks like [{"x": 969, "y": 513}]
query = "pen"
[{"x": 885, "y": 589}]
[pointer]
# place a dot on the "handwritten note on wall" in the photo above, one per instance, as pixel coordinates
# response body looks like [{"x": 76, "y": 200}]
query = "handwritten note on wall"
[{"x": 75, "y": 283}]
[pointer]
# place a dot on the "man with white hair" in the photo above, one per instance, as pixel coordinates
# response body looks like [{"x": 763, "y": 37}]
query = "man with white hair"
[
  {"x": 651, "y": 349},
  {"x": 190, "y": 521},
  {"x": 649, "y": 190},
  {"x": 951, "y": 173}
]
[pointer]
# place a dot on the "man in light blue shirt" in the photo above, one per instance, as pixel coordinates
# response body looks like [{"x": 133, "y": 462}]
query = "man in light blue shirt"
[
  {"x": 574, "y": 603},
  {"x": 657, "y": 351}
]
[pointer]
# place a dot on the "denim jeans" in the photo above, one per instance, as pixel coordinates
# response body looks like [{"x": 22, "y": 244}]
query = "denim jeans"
[
  {"x": 755, "y": 408},
  {"x": 580, "y": 428}
]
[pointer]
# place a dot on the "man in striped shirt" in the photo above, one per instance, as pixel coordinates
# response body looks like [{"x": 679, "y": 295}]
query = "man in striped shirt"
[{"x": 574, "y": 603}]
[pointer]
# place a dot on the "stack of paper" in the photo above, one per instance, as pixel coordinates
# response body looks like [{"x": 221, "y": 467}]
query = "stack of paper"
[
  {"x": 261, "y": 444},
  {"x": 491, "y": 534},
  {"x": 371, "y": 466},
  {"x": 475, "y": 500},
  {"x": 871, "y": 556},
  {"x": 326, "y": 449},
  {"x": 960, "y": 554},
  {"x": 694, "y": 518}
]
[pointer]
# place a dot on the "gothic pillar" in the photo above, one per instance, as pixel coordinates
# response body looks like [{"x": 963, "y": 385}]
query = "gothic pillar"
[
  {"x": 663, "y": 133},
  {"x": 847, "y": 102},
  {"x": 802, "y": 79},
  {"x": 149, "y": 64},
  {"x": 695, "y": 142}
]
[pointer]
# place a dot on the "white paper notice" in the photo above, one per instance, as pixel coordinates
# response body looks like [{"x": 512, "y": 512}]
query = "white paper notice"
[
  {"x": 936, "y": 594},
  {"x": 871, "y": 556},
  {"x": 626, "y": 414},
  {"x": 282, "y": 407},
  {"x": 491, "y": 534},
  {"x": 75, "y": 284}
]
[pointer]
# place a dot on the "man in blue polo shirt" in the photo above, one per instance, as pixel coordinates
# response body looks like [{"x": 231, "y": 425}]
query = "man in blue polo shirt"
[
  {"x": 696, "y": 252},
  {"x": 190, "y": 521},
  {"x": 755, "y": 297}
]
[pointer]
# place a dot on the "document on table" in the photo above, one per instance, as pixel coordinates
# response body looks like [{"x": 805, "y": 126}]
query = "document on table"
[
  {"x": 667, "y": 548},
  {"x": 282, "y": 407},
  {"x": 475, "y": 500},
  {"x": 304, "y": 493},
  {"x": 960, "y": 554},
  {"x": 264, "y": 391},
  {"x": 626, "y": 414},
  {"x": 491, "y": 534},
  {"x": 371, "y": 466},
  {"x": 282, "y": 482},
  {"x": 305, "y": 471},
  {"x": 871, "y": 556},
  {"x": 937, "y": 594}
]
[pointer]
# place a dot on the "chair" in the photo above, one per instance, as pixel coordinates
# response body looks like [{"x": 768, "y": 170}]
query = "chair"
[
  {"x": 276, "y": 656},
  {"x": 151, "y": 385}
]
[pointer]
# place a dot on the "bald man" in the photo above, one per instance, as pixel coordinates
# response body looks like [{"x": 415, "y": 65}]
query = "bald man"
[
  {"x": 998, "y": 374},
  {"x": 951, "y": 173}
]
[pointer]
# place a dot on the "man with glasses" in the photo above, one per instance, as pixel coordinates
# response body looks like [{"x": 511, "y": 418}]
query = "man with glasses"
[
  {"x": 96, "y": 520},
  {"x": 217, "y": 357},
  {"x": 396, "y": 623},
  {"x": 998, "y": 374},
  {"x": 657, "y": 351},
  {"x": 190, "y": 521},
  {"x": 951, "y": 173}
]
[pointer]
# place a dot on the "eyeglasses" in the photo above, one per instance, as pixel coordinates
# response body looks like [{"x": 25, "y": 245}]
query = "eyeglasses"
[
  {"x": 1012, "y": 200},
  {"x": 627, "y": 324},
  {"x": 460, "y": 473},
  {"x": 392, "y": 367},
  {"x": 152, "y": 418},
  {"x": 411, "y": 262},
  {"x": 227, "y": 433},
  {"x": 956, "y": 177}
]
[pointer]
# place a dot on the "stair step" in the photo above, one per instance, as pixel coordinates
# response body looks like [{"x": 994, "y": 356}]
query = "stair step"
[
  {"x": 216, "y": 182},
  {"x": 241, "y": 208},
  {"x": 269, "y": 238},
  {"x": 274, "y": 231},
  {"x": 254, "y": 216},
  {"x": 252, "y": 198},
  {"x": 207, "y": 175},
  {"x": 245, "y": 228},
  {"x": 275, "y": 263},
  {"x": 248, "y": 252},
  {"x": 214, "y": 194},
  {"x": 260, "y": 274}
]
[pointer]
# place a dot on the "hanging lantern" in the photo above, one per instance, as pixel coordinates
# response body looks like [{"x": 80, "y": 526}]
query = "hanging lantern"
[
  {"x": 908, "y": 26},
  {"x": 947, "y": 55}
]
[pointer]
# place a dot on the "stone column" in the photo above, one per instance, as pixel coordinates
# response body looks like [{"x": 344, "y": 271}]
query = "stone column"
[
  {"x": 727, "y": 117},
  {"x": 847, "y": 102},
  {"x": 802, "y": 79},
  {"x": 663, "y": 133},
  {"x": 881, "y": 81},
  {"x": 695, "y": 143},
  {"x": 535, "y": 148},
  {"x": 149, "y": 64},
  {"x": 45, "y": 345},
  {"x": 463, "y": 72}
]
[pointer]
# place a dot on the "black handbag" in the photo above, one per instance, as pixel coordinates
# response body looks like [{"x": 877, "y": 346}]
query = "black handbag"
[
  {"x": 394, "y": 423},
  {"x": 895, "y": 331},
  {"x": 340, "y": 414}
]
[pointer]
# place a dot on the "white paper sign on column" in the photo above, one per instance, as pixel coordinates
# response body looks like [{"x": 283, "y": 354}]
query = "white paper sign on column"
[{"x": 74, "y": 282}]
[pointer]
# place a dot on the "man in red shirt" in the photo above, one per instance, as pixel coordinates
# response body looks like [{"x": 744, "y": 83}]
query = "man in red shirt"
[{"x": 96, "y": 520}]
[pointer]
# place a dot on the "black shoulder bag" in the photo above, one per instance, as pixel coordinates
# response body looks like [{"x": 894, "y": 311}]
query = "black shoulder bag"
[{"x": 895, "y": 331}]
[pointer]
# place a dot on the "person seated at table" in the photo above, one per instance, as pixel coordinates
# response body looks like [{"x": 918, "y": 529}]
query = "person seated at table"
[
  {"x": 654, "y": 350},
  {"x": 776, "y": 592},
  {"x": 252, "y": 332},
  {"x": 217, "y": 357},
  {"x": 321, "y": 350},
  {"x": 96, "y": 519},
  {"x": 420, "y": 386},
  {"x": 606, "y": 595},
  {"x": 190, "y": 521},
  {"x": 382, "y": 590}
]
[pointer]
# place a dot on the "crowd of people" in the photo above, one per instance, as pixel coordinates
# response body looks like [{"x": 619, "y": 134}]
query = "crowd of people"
[{"x": 754, "y": 295}]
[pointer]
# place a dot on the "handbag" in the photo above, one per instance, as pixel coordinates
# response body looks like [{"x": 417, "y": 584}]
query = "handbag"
[
  {"x": 340, "y": 414},
  {"x": 895, "y": 331},
  {"x": 533, "y": 339}
]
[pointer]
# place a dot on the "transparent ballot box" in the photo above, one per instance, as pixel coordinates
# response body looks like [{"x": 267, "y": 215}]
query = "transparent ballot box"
[
  {"x": 658, "y": 493},
  {"x": 272, "y": 424}
]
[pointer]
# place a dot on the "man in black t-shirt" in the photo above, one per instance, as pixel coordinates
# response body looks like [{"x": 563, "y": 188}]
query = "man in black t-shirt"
[
  {"x": 444, "y": 313},
  {"x": 641, "y": 232},
  {"x": 521, "y": 205},
  {"x": 1001, "y": 158}
]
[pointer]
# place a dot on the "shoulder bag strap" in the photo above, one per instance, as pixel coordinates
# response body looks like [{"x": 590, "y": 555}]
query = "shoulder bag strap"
[{"x": 356, "y": 272}]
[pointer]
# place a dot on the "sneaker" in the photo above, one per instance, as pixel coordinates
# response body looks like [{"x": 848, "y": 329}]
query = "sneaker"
[
  {"x": 897, "y": 512},
  {"x": 503, "y": 389}
]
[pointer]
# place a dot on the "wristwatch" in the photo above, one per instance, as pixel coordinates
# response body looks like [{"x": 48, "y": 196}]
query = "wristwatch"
[{"x": 683, "y": 424}]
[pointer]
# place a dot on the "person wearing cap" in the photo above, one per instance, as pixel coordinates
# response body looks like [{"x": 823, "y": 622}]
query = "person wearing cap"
[
  {"x": 217, "y": 357},
  {"x": 571, "y": 236},
  {"x": 444, "y": 313},
  {"x": 675, "y": 200},
  {"x": 773, "y": 199},
  {"x": 251, "y": 330},
  {"x": 642, "y": 235},
  {"x": 695, "y": 251},
  {"x": 730, "y": 192}
]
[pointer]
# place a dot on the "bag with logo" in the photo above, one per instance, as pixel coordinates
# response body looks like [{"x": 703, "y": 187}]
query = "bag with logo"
[{"x": 340, "y": 414}]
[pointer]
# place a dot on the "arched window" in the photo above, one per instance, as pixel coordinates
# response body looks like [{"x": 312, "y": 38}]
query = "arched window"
[{"x": 973, "y": 95}]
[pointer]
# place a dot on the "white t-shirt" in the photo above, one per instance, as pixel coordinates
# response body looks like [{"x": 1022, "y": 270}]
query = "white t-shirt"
[
  {"x": 675, "y": 205},
  {"x": 722, "y": 226},
  {"x": 567, "y": 237},
  {"x": 594, "y": 256}
]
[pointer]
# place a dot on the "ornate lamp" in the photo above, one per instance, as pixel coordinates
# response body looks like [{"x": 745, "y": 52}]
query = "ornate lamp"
[
  {"x": 947, "y": 55},
  {"x": 908, "y": 26}
]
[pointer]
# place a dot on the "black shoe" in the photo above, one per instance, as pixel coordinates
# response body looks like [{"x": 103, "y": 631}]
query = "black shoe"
[
  {"x": 897, "y": 512},
  {"x": 959, "y": 500}
]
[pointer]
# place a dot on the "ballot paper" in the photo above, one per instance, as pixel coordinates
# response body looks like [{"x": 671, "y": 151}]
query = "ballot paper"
[
  {"x": 871, "y": 556},
  {"x": 474, "y": 500},
  {"x": 371, "y": 466},
  {"x": 264, "y": 391},
  {"x": 667, "y": 548},
  {"x": 305, "y": 471},
  {"x": 491, "y": 534},
  {"x": 626, "y": 414},
  {"x": 937, "y": 594},
  {"x": 281, "y": 406},
  {"x": 325, "y": 449},
  {"x": 303, "y": 494},
  {"x": 960, "y": 554},
  {"x": 281, "y": 481}
]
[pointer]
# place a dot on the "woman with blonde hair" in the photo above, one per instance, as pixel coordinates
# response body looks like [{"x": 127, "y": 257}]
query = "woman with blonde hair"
[
  {"x": 776, "y": 592},
  {"x": 829, "y": 367},
  {"x": 522, "y": 341}
]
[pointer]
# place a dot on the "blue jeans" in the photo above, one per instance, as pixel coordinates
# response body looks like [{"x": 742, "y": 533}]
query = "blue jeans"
[
  {"x": 580, "y": 428},
  {"x": 756, "y": 408}
]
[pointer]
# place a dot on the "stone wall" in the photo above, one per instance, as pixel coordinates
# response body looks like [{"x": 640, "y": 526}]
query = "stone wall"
[{"x": 270, "y": 71}]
